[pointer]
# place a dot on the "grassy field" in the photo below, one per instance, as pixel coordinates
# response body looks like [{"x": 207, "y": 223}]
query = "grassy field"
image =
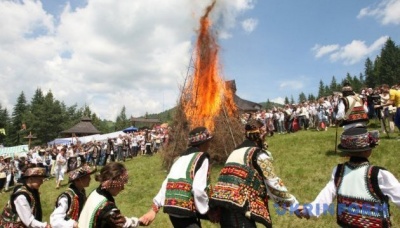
[{"x": 304, "y": 160}]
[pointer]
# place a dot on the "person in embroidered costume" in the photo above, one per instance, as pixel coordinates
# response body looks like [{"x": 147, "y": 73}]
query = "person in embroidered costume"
[
  {"x": 24, "y": 208},
  {"x": 70, "y": 203},
  {"x": 100, "y": 210},
  {"x": 352, "y": 112},
  {"x": 184, "y": 194},
  {"x": 246, "y": 182},
  {"x": 362, "y": 190}
]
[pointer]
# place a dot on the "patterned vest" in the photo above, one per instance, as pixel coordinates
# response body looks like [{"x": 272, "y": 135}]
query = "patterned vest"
[
  {"x": 75, "y": 204},
  {"x": 95, "y": 206},
  {"x": 9, "y": 216},
  {"x": 360, "y": 202},
  {"x": 178, "y": 197},
  {"x": 357, "y": 112},
  {"x": 241, "y": 187}
]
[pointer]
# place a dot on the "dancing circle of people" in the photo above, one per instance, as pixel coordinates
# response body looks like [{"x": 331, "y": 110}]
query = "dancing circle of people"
[{"x": 241, "y": 194}]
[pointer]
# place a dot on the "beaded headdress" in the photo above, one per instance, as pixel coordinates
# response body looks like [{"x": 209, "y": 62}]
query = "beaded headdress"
[
  {"x": 117, "y": 182},
  {"x": 357, "y": 139},
  {"x": 198, "y": 136}
]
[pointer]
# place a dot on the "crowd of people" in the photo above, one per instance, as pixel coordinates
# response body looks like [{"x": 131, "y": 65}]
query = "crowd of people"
[
  {"x": 60, "y": 159},
  {"x": 246, "y": 183},
  {"x": 321, "y": 114}
]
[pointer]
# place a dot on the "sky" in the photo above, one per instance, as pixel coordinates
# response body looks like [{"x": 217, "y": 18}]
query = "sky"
[{"x": 108, "y": 54}]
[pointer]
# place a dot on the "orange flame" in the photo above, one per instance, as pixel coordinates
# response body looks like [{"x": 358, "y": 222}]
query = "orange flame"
[{"x": 207, "y": 94}]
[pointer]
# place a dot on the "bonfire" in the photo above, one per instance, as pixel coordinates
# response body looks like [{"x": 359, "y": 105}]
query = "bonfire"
[{"x": 206, "y": 100}]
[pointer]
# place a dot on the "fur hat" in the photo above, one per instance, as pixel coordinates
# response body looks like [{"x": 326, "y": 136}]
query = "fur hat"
[
  {"x": 347, "y": 89},
  {"x": 199, "y": 135},
  {"x": 34, "y": 172},
  {"x": 81, "y": 172},
  {"x": 252, "y": 129},
  {"x": 357, "y": 139}
]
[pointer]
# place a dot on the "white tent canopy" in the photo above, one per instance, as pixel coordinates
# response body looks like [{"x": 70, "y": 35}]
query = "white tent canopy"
[
  {"x": 14, "y": 150},
  {"x": 86, "y": 139},
  {"x": 111, "y": 135}
]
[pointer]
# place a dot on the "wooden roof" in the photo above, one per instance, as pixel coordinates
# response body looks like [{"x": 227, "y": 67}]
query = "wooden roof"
[
  {"x": 85, "y": 127},
  {"x": 242, "y": 104},
  {"x": 145, "y": 120},
  {"x": 245, "y": 105}
]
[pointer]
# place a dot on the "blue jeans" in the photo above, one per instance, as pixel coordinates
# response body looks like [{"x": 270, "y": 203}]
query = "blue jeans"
[{"x": 397, "y": 118}]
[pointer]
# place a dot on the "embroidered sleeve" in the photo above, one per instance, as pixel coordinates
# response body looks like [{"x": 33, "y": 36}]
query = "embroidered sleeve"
[
  {"x": 199, "y": 188},
  {"x": 275, "y": 187},
  {"x": 389, "y": 186},
  {"x": 57, "y": 218},
  {"x": 111, "y": 217},
  {"x": 25, "y": 213}
]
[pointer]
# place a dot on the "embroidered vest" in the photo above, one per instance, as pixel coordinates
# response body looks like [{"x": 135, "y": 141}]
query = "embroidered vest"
[
  {"x": 74, "y": 204},
  {"x": 9, "y": 216},
  {"x": 354, "y": 109},
  {"x": 360, "y": 202},
  {"x": 178, "y": 197},
  {"x": 241, "y": 187},
  {"x": 94, "y": 207}
]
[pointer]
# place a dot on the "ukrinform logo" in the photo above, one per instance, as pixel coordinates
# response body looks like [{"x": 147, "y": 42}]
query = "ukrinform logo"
[{"x": 329, "y": 209}]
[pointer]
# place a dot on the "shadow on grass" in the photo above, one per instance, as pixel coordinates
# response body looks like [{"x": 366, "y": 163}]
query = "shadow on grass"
[{"x": 332, "y": 153}]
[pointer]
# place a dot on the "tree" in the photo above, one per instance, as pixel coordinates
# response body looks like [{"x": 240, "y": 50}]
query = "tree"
[
  {"x": 3, "y": 125},
  {"x": 333, "y": 86},
  {"x": 286, "y": 100},
  {"x": 389, "y": 69},
  {"x": 291, "y": 99},
  {"x": 370, "y": 77},
  {"x": 35, "y": 115},
  {"x": 121, "y": 121},
  {"x": 102, "y": 125},
  {"x": 311, "y": 97},
  {"x": 54, "y": 122},
  {"x": 321, "y": 89},
  {"x": 327, "y": 91},
  {"x": 302, "y": 97},
  {"x": 18, "y": 126}
]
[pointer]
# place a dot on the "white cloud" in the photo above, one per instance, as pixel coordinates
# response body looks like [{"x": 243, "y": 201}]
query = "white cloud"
[
  {"x": 279, "y": 100},
  {"x": 105, "y": 54},
  {"x": 387, "y": 12},
  {"x": 291, "y": 85},
  {"x": 249, "y": 25},
  {"x": 324, "y": 50},
  {"x": 351, "y": 53}
]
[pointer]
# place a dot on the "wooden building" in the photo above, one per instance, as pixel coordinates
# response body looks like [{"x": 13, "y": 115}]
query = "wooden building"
[{"x": 83, "y": 128}]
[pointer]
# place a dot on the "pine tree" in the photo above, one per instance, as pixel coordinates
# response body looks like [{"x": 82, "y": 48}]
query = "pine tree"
[
  {"x": 390, "y": 63},
  {"x": 121, "y": 121},
  {"x": 370, "y": 77},
  {"x": 333, "y": 86},
  {"x": 302, "y": 97},
  {"x": 17, "y": 131},
  {"x": 321, "y": 89},
  {"x": 286, "y": 100}
]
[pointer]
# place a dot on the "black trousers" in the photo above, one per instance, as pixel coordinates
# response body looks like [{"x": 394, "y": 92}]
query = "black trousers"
[
  {"x": 185, "y": 222},
  {"x": 235, "y": 219}
]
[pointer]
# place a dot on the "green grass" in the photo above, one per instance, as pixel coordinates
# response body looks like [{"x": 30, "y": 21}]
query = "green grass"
[{"x": 304, "y": 160}]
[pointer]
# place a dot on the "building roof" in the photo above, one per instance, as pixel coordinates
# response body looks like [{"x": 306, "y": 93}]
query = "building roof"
[
  {"x": 246, "y": 105},
  {"x": 145, "y": 120},
  {"x": 85, "y": 127},
  {"x": 242, "y": 104}
]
